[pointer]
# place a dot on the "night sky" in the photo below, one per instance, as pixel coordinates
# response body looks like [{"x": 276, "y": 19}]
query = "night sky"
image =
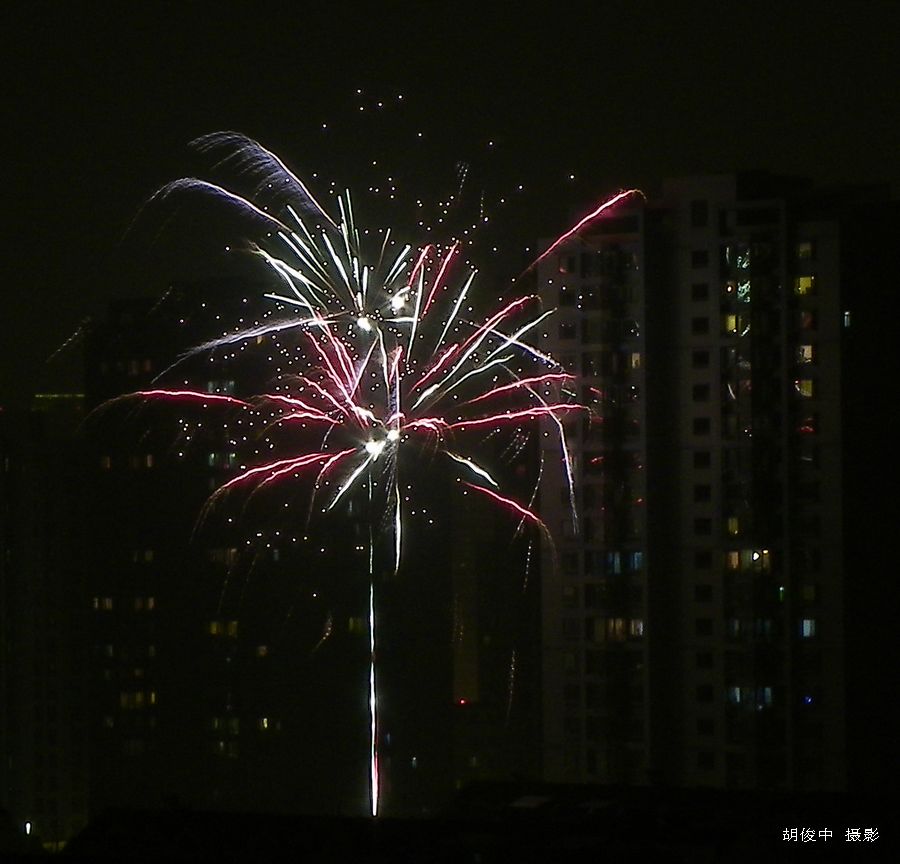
[{"x": 102, "y": 103}]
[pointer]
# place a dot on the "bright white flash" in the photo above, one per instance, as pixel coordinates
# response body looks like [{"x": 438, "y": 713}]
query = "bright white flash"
[
  {"x": 364, "y": 323},
  {"x": 397, "y": 302},
  {"x": 393, "y": 435},
  {"x": 374, "y": 448}
]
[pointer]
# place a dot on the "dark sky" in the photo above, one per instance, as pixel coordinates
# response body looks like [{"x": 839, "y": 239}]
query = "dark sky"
[{"x": 103, "y": 102}]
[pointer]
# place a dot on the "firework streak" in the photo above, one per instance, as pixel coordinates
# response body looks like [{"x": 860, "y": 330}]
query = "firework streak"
[{"x": 393, "y": 360}]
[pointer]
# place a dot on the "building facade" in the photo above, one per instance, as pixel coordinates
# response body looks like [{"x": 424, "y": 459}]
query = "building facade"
[{"x": 694, "y": 627}]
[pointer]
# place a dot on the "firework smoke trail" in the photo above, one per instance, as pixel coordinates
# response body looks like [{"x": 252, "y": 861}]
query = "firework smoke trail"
[{"x": 387, "y": 318}]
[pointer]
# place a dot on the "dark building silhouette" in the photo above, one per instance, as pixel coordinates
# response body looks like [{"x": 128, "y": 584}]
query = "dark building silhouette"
[
  {"x": 230, "y": 653},
  {"x": 43, "y": 735}
]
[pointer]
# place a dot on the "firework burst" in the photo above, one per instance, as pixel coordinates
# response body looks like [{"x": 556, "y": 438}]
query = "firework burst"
[{"x": 390, "y": 364}]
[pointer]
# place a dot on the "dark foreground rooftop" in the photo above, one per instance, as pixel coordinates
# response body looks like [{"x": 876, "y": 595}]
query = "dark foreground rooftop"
[{"x": 516, "y": 823}]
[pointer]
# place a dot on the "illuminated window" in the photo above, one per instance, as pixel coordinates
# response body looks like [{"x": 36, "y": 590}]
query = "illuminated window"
[
  {"x": 635, "y": 360},
  {"x": 734, "y": 695},
  {"x": 636, "y": 628},
  {"x": 215, "y": 628},
  {"x": 808, "y": 628},
  {"x": 262, "y": 724},
  {"x": 805, "y": 354},
  {"x": 262, "y": 650},
  {"x": 232, "y": 628},
  {"x": 805, "y": 285},
  {"x": 804, "y": 386},
  {"x": 729, "y": 323},
  {"x": 615, "y": 629},
  {"x": 733, "y": 560},
  {"x": 743, "y": 291},
  {"x": 733, "y": 526},
  {"x": 847, "y": 318}
]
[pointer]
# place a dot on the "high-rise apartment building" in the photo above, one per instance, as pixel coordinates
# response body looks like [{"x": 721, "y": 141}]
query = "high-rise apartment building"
[
  {"x": 230, "y": 644},
  {"x": 694, "y": 624}
]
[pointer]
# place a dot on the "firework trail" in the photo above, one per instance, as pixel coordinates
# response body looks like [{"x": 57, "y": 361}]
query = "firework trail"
[{"x": 391, "y": 362}]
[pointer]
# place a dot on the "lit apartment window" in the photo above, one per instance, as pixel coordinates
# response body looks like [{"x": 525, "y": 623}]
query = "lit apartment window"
[
  {"x": 733, "y": 526},
  {"x": 846, "y": 318},
  {"x": 215, "y": 628},
  {"x": 807, "y": 628},
  {"x": 615, "y": 629},
  {"x": 636, "y": 628},
  {"x": 263, "y": 724},
  {"x": 805, "y": 285},
  {"x": 635, "y": 360},
  {"x": 804, "y": 386},
  {"x": 733, "y": 560},
  {"x": 232, "y": 629},
  {"x": 805, "y": 354}
]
